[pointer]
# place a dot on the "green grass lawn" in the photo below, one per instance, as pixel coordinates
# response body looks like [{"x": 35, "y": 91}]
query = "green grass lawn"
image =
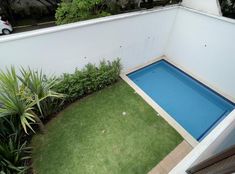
[{"x": 93, "y": 136}]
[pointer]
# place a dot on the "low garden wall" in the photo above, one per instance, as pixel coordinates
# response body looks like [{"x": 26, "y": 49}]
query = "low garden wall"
[{"x": 133, "y": 37}]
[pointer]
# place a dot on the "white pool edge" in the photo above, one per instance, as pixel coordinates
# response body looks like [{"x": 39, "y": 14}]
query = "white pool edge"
[
  {"x": 187, "y": 136},
  {"x": 198, "y": 147},
  {"x": 169, "y": 119},
  {"x": 187, "y": 71}
]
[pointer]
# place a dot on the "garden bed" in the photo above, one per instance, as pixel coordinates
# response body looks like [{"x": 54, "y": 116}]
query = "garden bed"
[{"x": 111, "y": 131}]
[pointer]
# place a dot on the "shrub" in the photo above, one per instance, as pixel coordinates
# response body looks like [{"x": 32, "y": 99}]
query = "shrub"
[
  {"x": 89, "y": 79},
  {"x": 14, "y": 155},
  {"x": 77, "y": 10},
  {"x": 21, "y": 96},
  {"x": 26, "y": 98},
  {"x": 14, "y": 152},
  {"x": 22, "y": 102}
]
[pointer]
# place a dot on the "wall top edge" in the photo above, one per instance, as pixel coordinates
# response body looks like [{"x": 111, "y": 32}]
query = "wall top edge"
[
  {"x": 224, "y": 19},
  {"x": 104, "y": 20},
  {"x": 84, "y": 23}
]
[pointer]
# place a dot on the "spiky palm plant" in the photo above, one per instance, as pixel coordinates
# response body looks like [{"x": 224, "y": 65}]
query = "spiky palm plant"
[
  {"x": 41, "y": 88},
  {"x": 13, "y": 154},
  {"x": 15, "y": 100},
  {"x": 21, "y": 95}
]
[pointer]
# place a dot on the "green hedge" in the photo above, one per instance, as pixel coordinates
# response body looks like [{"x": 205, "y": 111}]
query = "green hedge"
[
  {"x": 90, "y": 79},
  {"x": 14, "y": 151}
]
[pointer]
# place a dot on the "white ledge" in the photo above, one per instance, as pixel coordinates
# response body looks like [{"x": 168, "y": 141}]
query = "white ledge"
[{"x": 83, "y": 23}]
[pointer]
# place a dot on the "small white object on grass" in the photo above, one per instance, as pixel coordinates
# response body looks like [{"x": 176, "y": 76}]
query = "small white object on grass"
[
  {"x": 158, "y": 114},
  {"x": 124, "y": 113}
]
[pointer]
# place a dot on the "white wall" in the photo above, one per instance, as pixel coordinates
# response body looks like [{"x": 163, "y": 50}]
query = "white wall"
[
  {"x": 208, "y": 146},
  {"x": 205, "y": 46},
  {"x": 210, "y": 6},
  {"x": 224, "y": 141},
  {"x": 202, "y": 43},
  {"x": 134, "y": 37}
]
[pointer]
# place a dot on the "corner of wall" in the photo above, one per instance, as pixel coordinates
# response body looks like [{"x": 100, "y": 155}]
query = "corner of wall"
[
  {"x": 207, "y": 6},
  {"x": 170, "y": 33}
]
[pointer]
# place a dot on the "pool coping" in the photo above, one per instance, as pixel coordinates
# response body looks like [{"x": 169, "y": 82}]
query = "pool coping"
[
  {"x": 169, "y": 119},
  {"x": 187, "y": 136}
]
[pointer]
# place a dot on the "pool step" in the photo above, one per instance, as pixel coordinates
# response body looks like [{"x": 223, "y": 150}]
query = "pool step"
[{"x": 172, "y": 159}]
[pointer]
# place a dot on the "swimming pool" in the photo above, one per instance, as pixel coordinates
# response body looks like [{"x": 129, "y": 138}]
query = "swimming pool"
[{"x": 194, "y": 106}]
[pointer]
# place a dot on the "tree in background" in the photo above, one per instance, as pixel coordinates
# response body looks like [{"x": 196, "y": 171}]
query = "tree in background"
[
  {"x": 228, "y": 8},
  {"x": 70, "y": 10},
  {"x": 15, "y": 10},
  {"x": 6, "y": 10},
  {"x": 77, "y": 10}
]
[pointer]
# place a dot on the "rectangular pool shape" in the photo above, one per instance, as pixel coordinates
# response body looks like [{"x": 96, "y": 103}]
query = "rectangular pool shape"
[{"x": 194, "y": 106}]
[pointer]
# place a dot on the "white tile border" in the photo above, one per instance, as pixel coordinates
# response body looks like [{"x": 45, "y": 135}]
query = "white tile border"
[
  {"x": 144, "y": 65},
  {"x": 189, "y": 138}
]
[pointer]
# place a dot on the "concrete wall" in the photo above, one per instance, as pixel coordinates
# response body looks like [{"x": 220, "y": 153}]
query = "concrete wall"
[
  {"x": 201, "y": 43},
  {"x": 209, "y": 6},
  {"x": 204, "y": 45},
  {"x": 217, "y": 138},
  {"x": 224, "y": 141},
  {"x": 134, "y": 37}
]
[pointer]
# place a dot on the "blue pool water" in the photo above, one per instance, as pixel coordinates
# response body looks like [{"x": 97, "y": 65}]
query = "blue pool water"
[{"x": 193, "y": 105}]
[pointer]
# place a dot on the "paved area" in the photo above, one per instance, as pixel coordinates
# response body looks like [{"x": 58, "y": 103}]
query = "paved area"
[
  {"x": 20, "y": 29},
  {"x": 172, "y": 159}
]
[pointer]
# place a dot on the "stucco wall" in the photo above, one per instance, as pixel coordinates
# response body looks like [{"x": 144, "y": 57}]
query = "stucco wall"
[
  {"x": 201, "y": 43},
  {"x": 134, "y": 37},
  {"x": 210, "y": 6},
  {"x": 204, "y": 45},
  {"x": 226, "y": 140},
  {"x": 208, "y": 146}
]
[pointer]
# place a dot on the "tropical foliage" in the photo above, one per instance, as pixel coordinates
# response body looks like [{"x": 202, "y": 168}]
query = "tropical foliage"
[
  {"x": 27, "y": 98},
  {"x": 21, "y": 105},
  {"x": 89, "y": 79},
  {"x": 228, "y": 8},
  {"x": 78, "y": 10},
  {"x": 14, "y": 152},
  {"x": 21, "y": 96}
]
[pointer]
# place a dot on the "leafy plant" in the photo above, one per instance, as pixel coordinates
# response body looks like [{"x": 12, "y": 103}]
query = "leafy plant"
[
  {"x": 77, "y": 10},
  {"x": 41, "y": 88},
  {"x": 14, "y": 155},
  {"x": 22, "y": 96},
  {"x": 89, "y": 79},
  {"x": 28, "y": 98},
  {"x": 14, "y": 152},
  {"x": 15, "y": 99}
]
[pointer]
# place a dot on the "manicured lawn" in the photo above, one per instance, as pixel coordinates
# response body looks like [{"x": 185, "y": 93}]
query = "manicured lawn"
[{"x": 110, "y": 132}]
